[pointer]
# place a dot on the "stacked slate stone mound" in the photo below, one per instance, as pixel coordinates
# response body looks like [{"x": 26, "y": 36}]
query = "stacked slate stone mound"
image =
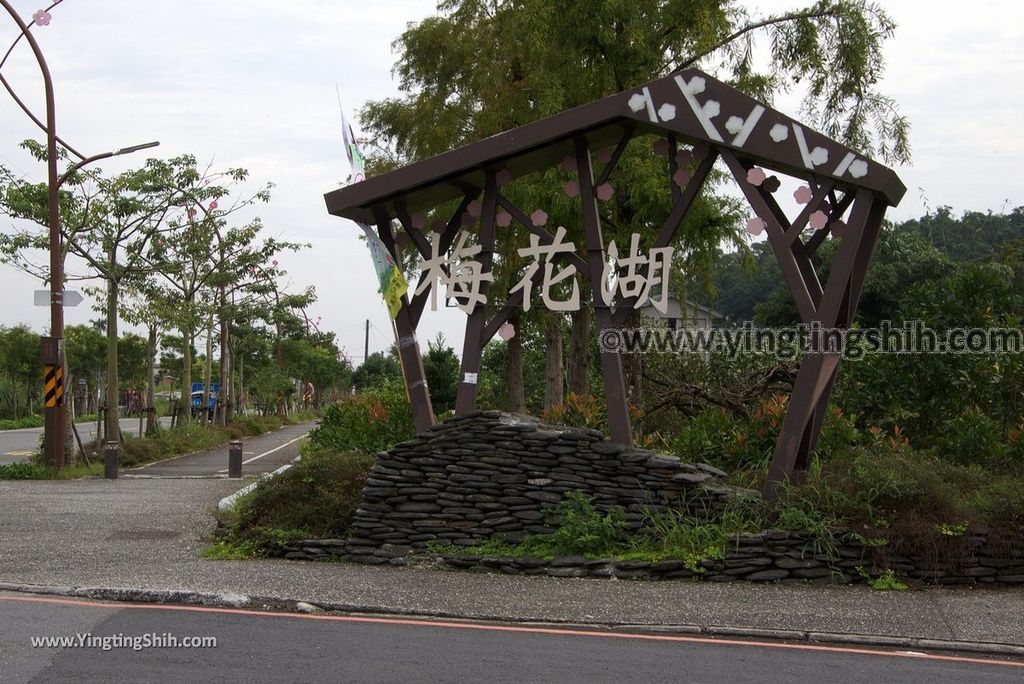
[{"x": 491, "y": 474}]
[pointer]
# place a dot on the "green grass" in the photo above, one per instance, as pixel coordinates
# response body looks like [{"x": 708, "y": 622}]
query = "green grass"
[
  {"x": 225, "y": 550},
  {"x": 593, "y": 534}
]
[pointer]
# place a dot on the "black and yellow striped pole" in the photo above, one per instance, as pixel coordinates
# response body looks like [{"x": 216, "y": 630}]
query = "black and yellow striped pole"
[
  {"x": 53, "y": 401},
  {"x": 53, "y": 386}
]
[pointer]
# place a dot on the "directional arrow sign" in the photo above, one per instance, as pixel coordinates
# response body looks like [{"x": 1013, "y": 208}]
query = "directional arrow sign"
[{"x": 71, "y": 297}]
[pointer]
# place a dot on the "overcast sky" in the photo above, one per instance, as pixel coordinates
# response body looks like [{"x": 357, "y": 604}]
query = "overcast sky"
[{"x": 252, "y": 84}]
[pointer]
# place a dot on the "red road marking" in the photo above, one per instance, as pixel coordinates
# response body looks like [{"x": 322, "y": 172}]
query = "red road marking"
[{"x": 512, "y": 628}]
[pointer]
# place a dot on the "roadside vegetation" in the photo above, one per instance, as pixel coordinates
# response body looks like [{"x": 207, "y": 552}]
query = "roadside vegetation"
[
  {"x": 162, "y": 443},
  {"x": 318, "y": 496}
]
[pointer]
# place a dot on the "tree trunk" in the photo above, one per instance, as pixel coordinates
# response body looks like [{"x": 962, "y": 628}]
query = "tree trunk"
[
  {"x": 241, "y": 384},
  {"x": 554, "y": 392},
  {"x": 151, "y": 381},
  {"x": 186, "y": 374},
  {"x": 281, "y": 409},
  {"x": 207, "y": 371},
  {"x": 514, "y": 370},
  {"x": 225, "y": 397},
  {"x": 113, "y": 423},
  {"x": 579, "y": 352}
]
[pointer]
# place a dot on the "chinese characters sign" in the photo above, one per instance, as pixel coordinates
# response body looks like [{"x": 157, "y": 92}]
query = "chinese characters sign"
[{"x": 631, "y": 274}]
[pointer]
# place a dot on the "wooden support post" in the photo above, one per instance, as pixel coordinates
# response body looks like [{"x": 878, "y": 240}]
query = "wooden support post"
[
  {"x": 408, "y": 349},
  {"x": 611, "y": 362},
  {"x": 473, "y": 345}
]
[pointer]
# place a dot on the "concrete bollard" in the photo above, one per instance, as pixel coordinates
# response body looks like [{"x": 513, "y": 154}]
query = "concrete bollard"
[
  {"x": 110, "y": 461},
  {"x": 235, "y": 458}
]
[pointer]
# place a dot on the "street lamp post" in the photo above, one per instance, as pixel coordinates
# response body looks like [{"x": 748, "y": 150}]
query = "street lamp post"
[
  {"x": 53, "y": 348},
  {"x": 53, "y": 415}
]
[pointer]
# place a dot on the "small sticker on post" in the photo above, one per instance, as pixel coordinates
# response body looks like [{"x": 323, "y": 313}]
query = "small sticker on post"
[{"x": 469, "y": 378}]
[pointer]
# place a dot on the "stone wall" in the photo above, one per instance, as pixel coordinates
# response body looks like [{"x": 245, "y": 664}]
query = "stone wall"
[
  {"x": 491, "y": 474},
  {"x": 770, "y": 556},
  {"x": 779, "y": 556}
]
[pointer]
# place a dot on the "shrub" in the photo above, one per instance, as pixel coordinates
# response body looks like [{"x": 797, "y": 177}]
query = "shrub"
[
  {"x": 21, "y": 423},
  {"x": 317, "y": 497},
  {"x": 719, "y": 438},
  {"x": 972, "y": 437},
  {"x": 23, "y": 470},
  {"x": 584, "y": 530},
  {"x": 369, "y": 422}
]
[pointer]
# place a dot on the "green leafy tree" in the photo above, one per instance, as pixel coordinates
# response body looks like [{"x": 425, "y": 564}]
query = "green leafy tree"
[
  {"x": 109, "y": 223},
  {"x": 85, "y": 349},
  {"x": 202, "y": 258},
  {"x": 21, "y": 370},
  {"x": 441, "y": 369},
  {"x": 377, "y": 371}
]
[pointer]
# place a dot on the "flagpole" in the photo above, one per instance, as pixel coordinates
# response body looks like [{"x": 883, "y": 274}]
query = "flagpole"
[{"x": 375, "y": 244}]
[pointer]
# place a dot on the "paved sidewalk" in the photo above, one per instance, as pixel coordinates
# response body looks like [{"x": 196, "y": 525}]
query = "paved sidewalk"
[{"x": 139, "y": 538}]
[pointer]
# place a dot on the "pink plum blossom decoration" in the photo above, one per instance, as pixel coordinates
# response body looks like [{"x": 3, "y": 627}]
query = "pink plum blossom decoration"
[
  {"x": 756, "y": 225},
  {"x": 507, "y": 331},
  {"x": 605, "y": 191},
  {"x": 802, "y": 195},
  {"x": 756, "y": 176},
  {"x": 42, "y": 18},
  {"x": 818, "y": 220}
]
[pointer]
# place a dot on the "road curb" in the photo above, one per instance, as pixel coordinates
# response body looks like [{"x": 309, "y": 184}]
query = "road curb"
[{"x": 240, "y": 601}]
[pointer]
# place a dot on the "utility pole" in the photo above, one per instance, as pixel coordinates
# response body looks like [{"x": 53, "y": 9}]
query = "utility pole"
[{"x": 366, "y": 342}]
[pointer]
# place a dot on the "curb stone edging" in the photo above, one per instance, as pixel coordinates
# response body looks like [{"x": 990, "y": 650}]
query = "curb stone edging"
[
  {"x": 229, "y": 500},
  {"x": 227, "y": 600}
]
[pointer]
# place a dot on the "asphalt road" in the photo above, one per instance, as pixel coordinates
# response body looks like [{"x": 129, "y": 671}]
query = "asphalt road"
[
  {"x": 261, "y": 454},
  {"x": 269, "y": 647},
  {"x": 19, "y": 445}
]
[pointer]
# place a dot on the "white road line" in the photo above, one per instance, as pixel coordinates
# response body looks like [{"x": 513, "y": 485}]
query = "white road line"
[
  {"x": 267, "y": 453},
  {"x": 277, "y": 448}
]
